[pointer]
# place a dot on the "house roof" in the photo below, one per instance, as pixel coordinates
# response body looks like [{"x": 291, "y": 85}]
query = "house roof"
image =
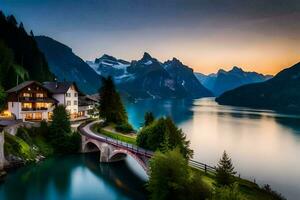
[
  {"x": 60, "y": 87},
  {"x": 86, "y": 100},
  {"x": 23, "y": 85}
]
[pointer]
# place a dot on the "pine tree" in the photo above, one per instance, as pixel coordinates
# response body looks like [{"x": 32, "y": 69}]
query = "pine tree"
[
  {"x": 225, "y": 171},
  {"x": 111, "y": 107},
  {"x": 149, "y": 118},
  {"x": 60, "y": 129}
]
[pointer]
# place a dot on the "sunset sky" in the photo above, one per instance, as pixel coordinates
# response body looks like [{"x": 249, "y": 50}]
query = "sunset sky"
[{"x": 257, "y": 35}]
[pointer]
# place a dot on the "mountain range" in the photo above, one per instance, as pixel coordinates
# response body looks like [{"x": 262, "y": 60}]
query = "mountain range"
[
  {"x": 223, "y": 81},
  {"x": 68, "y": 66},
  {"x": 280, "y": 92},
  {"x": 143, "y": 78},
  {"x": 150, "y": 78}
]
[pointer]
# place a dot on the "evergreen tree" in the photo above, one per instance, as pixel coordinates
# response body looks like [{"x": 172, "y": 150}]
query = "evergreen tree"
[
  {"x": 111, "y": 107},
  {"x": 163, "y": 134},
  {"x": 225, "y": 171},
  {"x": 24, "y": 52},
  {"x": 60, "y": 129},
  {"x": 149, "y": 118}
]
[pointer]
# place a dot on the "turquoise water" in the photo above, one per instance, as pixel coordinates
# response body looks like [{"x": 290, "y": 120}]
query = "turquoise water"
[
  {"x": 75, "y": 177},
  {"x": 264, "y": 145}
]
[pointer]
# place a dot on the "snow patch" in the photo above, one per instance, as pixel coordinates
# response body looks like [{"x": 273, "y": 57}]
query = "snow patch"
[{"x": 149, "y": 62}]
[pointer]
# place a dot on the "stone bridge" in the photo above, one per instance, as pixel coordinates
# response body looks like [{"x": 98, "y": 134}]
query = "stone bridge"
[{"x": 112, "y": 150}]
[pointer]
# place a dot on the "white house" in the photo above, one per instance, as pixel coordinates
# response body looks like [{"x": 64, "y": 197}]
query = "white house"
[{"x": 33, "y": 101}]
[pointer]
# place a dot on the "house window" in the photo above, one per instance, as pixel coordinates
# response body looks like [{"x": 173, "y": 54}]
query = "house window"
[
  {"x": 28, "y": 116},
  {"x": 75, "y": 94},
  {"x": 27, "y": 105},
  {"x": 39, "y": 95},
  {"x": 68, "y": 94},
  {"x": 68, "y": 103},
  {"x": 38, "y": 116},
  {"x": 75, "y": 102},
  {"x": 26, "y": 94}
]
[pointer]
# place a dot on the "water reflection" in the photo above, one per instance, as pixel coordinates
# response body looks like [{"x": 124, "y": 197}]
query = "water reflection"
[
  {"x": 175, "y": 108},
  {"x": 76, "y": 177},
  {"x": 264, "y": 144}
]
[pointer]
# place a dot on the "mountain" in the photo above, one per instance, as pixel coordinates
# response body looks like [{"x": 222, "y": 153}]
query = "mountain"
[
  {"x": 223, "y": 80},
  {"x": 109, "y": 66},
  {"x": 20, "y": 57},
  {"x": 68, "y": 66},
  {"x": 149, "y": 78},
  {"x": 280, "y": 92},
  {"x": 183, "y": 75}
]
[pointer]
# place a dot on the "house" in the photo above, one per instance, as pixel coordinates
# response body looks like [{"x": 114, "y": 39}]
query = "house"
[
  {"x": 33, "y": 101},
  {"x": 66, "y": 93},
  {"x": 30, "y": 101},
  {"x": 87, "y": 106}
]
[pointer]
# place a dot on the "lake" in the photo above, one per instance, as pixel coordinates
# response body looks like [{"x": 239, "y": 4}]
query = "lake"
[
  {"x": 264, "y": 145},
  {"x": 75, "y": 177}
]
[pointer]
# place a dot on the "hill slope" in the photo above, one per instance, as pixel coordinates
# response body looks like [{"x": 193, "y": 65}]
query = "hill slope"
[
  {"x": 20, "y": 55},
  {"x": 68, "y": 66},
  {"x": 280, "y": 92}
]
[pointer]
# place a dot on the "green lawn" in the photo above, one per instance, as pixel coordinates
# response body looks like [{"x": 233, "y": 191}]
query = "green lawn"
[{"x": 114, "y": 135}]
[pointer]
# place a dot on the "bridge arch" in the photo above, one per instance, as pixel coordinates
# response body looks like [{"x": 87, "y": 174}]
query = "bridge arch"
[
  {"x": 91, "y": 146},
  {"x": 123, "y": 153}
]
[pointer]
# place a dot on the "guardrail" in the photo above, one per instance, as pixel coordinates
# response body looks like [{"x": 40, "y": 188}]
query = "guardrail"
[
  {"x": 116, "y": 143},
  {"x": 202, "y": 166}
]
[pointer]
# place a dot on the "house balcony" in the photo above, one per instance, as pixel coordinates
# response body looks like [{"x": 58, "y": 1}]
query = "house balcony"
[
  {"x": 35, "y": 109},
  {"x": 37, "y": 99}
]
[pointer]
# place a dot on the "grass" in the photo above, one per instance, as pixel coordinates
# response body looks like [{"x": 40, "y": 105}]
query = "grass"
[
  {"x": 250, "y": 190},
  {"x": 16, "y": 146},
  {"x": 114, "y": 135}
]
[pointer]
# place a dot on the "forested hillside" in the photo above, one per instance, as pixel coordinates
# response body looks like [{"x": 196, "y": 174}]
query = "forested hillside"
[{"x": 20, "y": 58}]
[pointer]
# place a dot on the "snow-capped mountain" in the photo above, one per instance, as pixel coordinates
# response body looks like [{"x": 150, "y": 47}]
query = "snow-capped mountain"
[
  {"x": 110, "y": 66},
  {"x": 149, "y": 78}
]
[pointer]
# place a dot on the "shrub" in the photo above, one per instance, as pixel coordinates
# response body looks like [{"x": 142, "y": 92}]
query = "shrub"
[
  {"x": 171, "y": 178},
  {"x": 275, "y": 195},
  {"x": 124, "y": 128},
  {"x": 228, "y": 193},
  {"x": 154, "y": 137},
  {"x": 24, "y": 135}
]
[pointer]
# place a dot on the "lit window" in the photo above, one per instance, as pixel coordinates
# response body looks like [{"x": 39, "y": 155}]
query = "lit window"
[
  {"x": 26, "y": 94},
  {"x": 39, "y": 95},
  {"x": 27, "y": 105}
]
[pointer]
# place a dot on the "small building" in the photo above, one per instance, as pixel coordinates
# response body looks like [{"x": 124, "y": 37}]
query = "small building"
[
  {"x": 30, "y": 101},
  {"x": 33, "y": 101},
  {"x": 87, "y": 106}
]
